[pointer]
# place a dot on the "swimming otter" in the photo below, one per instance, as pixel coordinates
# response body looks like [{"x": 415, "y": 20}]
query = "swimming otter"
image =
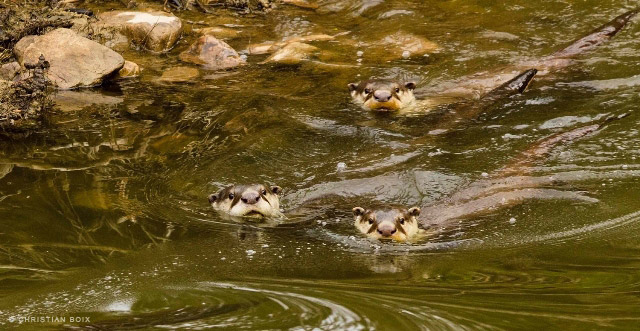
[
  {"x": 392, "y": 96},
  {"x": 383, "y": 94},
  {"x": 397, "y": 224},
  {"x": 254, "y": 201},
  {"x": 505, "y": 187}
]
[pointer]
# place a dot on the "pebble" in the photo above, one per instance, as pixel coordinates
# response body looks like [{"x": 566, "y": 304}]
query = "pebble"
[
  {"x": 512, "y": 220},
  {"x": 341, "y": 166},
  {"x": 484, "y": 174},
  {"x": 406, "y": 54},
  {"x": 250, "y": 252},
  {"x": 359, "y": 53}
]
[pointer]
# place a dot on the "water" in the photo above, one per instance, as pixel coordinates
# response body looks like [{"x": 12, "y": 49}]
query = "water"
[{"x": 104, "y": 215}]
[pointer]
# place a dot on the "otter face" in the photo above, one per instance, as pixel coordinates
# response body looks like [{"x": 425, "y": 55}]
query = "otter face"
[
  {"x": 256, "y": 201},
  {"x": 382, "y": 95},
  {"x": 398, "y": 224}
]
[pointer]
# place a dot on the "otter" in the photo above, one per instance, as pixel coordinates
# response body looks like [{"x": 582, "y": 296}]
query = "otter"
[
  {"x": 398, "y": 224},
  {"x": 383, "y": 94},
  {"x": 389, "y": 95},
  {"x": 255, "y": 201}
]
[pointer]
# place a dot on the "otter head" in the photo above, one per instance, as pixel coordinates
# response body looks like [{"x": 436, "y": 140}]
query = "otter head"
[
  {"x": 398, "y": 224},
  {"x": 257, "y": 201},
  {"x": 382, "y": 95}
]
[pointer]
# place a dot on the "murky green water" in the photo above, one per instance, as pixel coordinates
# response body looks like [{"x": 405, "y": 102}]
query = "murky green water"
[{"x": 105, "y": 215}]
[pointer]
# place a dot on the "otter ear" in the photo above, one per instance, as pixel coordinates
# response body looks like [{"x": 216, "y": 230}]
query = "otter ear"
[
  {"x": 414, "y": 211},
  {"x": 353, "y": 87},
  {"x": 358, "y": 211},
  {"x": 213, "y": 198},
  {"x": 276, "y": 189},
  {"x": 410, "y": 85}
]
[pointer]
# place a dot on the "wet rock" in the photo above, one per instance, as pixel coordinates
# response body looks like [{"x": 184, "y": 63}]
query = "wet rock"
[
  {"x": 154, "y": 30},
  {"x": 9, "y": 71},
  {"x": 85, "y": 63},
  {"x": 401, "y": 44},
  {"x": 179, "y": 74},
  {"x": 302, "y": 3},
  {"x": 212, "y": 54},
  {"x": 219, "y": 32},
  {"x": 292, "y": 54},
  {"x": 497, "y": 35},
  {"x": 266, "y": 48},
  {"x": 130, "y": 69}
]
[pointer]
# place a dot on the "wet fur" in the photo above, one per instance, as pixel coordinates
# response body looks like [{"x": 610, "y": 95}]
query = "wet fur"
[
  {"x": 230, "y": 201},
  {"x": 403, "y": 221},
  {"x": 364, "y": 94}
]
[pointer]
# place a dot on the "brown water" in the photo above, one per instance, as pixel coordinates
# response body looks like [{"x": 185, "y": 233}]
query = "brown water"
[{"x": 104, "y": 215}]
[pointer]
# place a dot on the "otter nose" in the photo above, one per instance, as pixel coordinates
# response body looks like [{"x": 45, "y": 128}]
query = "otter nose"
[
  {"x": 382, "y": 96},
  {"x": 250, "y": 198},
  {"x": 386, "y": 230}
]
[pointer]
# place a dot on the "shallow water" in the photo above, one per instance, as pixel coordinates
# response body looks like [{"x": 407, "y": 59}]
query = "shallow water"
[{"x": 104, "y": 215}]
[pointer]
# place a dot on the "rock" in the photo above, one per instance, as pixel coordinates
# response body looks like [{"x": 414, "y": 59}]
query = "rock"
[
  {"x": 74, "y": 61},
  {"x": 403, "y": 44},
  {"x": 9, "y": 71},
  {"x": 212, "y": 53},
  {"x": 265, "y": 48},
  {"x": 130, "y": 69},
  {"x": 179, "y": 74},
  {"x": 155, "y": 30},
  {"x": 302, "y": 3},
  {"x": 219, "y": 32},
  {"x": 293, "y": 53}
]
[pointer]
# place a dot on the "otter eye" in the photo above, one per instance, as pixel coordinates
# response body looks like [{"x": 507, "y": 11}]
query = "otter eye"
[
  {"x": 402, "y": 221},
  {"x": 371, "y": 221},
  {"x": 367, "y": 91},
  {"x": 397, "y": 90},
  {"x": 264, "y": 192},
  {"x": 231, "y": 196}
]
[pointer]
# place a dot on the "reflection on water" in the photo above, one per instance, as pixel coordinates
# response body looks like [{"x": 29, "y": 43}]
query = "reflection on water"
[{"x": 104, "y": 214}]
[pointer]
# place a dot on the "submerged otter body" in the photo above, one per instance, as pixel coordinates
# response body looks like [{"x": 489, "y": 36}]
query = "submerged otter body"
[
  {"x": 253, "y": 201},
  {"x": 383, "y": 94},
  {"x": 398, "y": 224}
]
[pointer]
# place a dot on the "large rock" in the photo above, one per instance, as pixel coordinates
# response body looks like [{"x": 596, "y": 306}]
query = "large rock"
[
  {"x": 74, "y": 61},
  {"x": 212, "y": 53},
  {"x": 155, "y": 30}
]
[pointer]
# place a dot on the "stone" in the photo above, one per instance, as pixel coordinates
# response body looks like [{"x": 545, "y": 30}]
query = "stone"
[
  {"x": 154, "y": 30},
  {"x": 219, "y": 32},
  {"x": 292, "y": 54},
  {"x": 270, "y": 47},
  {"x": 401, "y": 44},
  {"x": 74, "y": 61},
  {"x": 130, "y": 69},
  {"x": 212, "y": 53},
  {"x": 9, "y": 71},
  {"x": 179, "y": 74},
  {"x": 302, "y": 3}
]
